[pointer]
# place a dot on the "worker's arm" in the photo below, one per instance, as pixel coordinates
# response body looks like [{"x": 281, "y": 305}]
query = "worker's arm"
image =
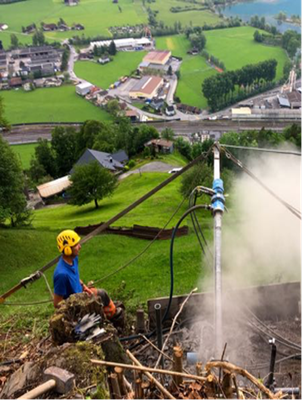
[
  {"x": 86, "y": 288},
  {"x": 57, "y": 299}
]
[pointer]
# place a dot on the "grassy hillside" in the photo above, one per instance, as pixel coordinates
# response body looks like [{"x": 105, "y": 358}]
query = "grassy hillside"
[
  {"x": 234, "y": 46},
  {"x": 49, "y": 105},
  {"x": 129, "y": 190},
  {"x": 104, "y": 75},
  {"x": 25, "y": 153},
  {"x": 147, "y": 277}
]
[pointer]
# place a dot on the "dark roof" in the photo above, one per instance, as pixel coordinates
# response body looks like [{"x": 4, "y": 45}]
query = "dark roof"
[
  {"x": 170, "y": 108},
  {"x": 102, "y": 158},
  {"x": 120, "y": 156}
]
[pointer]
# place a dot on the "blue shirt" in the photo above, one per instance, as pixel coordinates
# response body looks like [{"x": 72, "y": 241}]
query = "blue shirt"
[{"x": 66, "y": 279}]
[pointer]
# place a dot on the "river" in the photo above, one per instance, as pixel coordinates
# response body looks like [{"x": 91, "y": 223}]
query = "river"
[{"x": 267, "y": 9}]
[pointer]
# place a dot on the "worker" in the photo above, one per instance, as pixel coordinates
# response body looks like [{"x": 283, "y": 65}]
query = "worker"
[{"x": 66, "y": 277}]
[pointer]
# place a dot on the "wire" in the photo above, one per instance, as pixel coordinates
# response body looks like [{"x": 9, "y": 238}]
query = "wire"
[
  {"x": 292, "y": 209},
  {"x": 293, "y": 153}
]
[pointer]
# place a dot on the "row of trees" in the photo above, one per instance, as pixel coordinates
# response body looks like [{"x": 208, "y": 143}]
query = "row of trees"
[
  {"x": 213, "y": 60},
  {"x": 220, "y": 89},
  {"x": 105, "y": 50}
]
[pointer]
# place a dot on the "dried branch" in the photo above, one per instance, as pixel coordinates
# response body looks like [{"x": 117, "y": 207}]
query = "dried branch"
[
  {"x": 233, "y": 368},
  {"x": 173, "y": 324}
]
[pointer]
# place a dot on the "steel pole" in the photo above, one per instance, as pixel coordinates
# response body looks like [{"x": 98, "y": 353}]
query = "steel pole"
[{"x": 218, "y": 208}]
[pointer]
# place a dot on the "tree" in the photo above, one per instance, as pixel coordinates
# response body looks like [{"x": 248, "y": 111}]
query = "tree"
[
  {"x": 63, "y": 144},
  {"x": 14, "y": 41},
  {"x": 38, "y": 38},
  {"x": 170, "y": 70},
  {"x": 91, "y": 182},
  {"x": 45, "y": 156},
  {"x": 12, "y": 199},
  {"x": 258, "y": 37},
  {"x": 168, "y": 134},
  {"x": 113, "y": 107},
  {"x": 112, "y": 48},
  {"x": 184, "y": 148}
]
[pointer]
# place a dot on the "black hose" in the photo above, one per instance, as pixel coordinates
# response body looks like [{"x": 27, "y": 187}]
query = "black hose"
[{"x": 190, "y": 210}]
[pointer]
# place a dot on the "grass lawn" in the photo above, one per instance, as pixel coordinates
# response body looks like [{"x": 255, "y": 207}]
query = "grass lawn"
[
  {"x": 129, "y": 190},
  {"x": 25, "y": 153},
  {"x": 104, "y": 75},
  {"x": 234, "y": 46},
  {"x": 96, "y": 16},
  {"x": 49, "y": 105},
  {"x": 186, "y": 18}
]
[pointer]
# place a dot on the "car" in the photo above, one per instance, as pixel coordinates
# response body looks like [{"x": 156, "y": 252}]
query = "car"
[
  {"x": 174, "y": 170},
  {"x": 225, "y": 117},
  {"x": 213, "y": 118}
]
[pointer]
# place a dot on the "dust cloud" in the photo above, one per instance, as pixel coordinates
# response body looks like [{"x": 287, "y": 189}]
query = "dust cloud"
[
  {"x": 261, "y": 237},
  {"x": 260, "y": 245}
]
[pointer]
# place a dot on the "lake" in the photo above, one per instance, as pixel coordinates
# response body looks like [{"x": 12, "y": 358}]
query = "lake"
[{"x": 267, "y": 9}]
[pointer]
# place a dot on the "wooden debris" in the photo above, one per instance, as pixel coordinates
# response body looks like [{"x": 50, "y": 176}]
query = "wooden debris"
[
  {"x": 228, "y": 367},
  {"x": 116, "y": 393},
  {"x": 177, "y": 363}
]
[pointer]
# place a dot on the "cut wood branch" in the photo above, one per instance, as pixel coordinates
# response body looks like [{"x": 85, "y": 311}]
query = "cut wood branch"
[
  {"x": 147, "y": 369},
  {"x": 231, "y": 368},
  {"x": 153, "y": 381},
  {"x": 173, "y": 324}
]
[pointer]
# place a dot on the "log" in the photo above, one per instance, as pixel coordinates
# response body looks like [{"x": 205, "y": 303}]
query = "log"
[
  {"x": 120, "y": 378},
  {"x": 116, "y": 393},
  {"x": 241, "y": 371},
  {"x": 177, "y": 363}
]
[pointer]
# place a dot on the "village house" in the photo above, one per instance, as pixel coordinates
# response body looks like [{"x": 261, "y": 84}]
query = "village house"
[
  {"x": 132, "y": 115},
  {"x": 113, "y": 162},
  {"x": 160, "y": 145}
]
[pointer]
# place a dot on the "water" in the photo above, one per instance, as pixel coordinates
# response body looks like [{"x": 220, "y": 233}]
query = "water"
[{"x": 267, "y": 9}]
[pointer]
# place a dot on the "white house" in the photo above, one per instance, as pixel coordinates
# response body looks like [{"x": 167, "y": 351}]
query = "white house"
[{"x": 83, "y": 88}]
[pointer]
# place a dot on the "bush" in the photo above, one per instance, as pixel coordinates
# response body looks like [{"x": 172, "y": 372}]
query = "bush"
[{"x": 131, "y": 163}]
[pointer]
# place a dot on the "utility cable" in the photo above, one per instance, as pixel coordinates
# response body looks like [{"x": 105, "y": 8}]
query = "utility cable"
[
  {"x": 293, "y": 153},
  {"x": 292, "y": 209}
]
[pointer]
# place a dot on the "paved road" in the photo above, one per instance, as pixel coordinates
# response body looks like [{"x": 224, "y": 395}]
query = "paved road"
[{"x": 156, "y": 166}]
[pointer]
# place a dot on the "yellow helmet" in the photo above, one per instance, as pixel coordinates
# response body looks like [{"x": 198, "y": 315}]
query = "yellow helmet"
[{"x": 66, "y": 240}]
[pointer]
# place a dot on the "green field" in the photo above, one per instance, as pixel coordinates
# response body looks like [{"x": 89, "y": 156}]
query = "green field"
[
  {"x": 49, "y": 105},
  {"x": 234, "y": 46},
  {"x": 24, "y": 153},
  {"x": 96, "y": 16},
  {"x": 186, "y": 18},
  {"x": 104, "y": 75}
]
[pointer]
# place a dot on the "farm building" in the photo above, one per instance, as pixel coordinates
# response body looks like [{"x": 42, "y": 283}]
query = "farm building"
[
  {"x": 83, "y": 88},
  {"x": 124, "y": 44},
  {"x": 53, "y": 188},
  {"x": 146, "y": 88},
  {"x": 157, "y": 57},
  {"x": 112, "y": 162},
  {"x": 160, "y": 145}
]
